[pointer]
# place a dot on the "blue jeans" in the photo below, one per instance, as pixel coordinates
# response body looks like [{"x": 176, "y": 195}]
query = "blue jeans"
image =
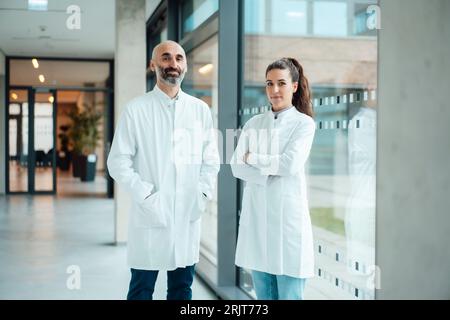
[
  {"x": 273, "y": 287},
  {"x": 179, "y": 282}
]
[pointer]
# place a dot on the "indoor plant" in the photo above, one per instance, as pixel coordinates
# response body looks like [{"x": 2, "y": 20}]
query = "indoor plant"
[{"x": 85, "y": 136}]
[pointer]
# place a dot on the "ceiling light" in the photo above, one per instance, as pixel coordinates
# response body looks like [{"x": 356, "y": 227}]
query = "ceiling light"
[
  {"x": 35, "y": 63},
  {"x": 41, "y": 78},
  {"x": 14, "y": 96},
  {"x": 51, "y": 99},
  {"x": 206, "y": 68},
  {"x": 37, "y": 5}
]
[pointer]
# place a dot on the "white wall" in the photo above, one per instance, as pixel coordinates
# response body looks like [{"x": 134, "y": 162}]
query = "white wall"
[{"x": 413, "y": 170}]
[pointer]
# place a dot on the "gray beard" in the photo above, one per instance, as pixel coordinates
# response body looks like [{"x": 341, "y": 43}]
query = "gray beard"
[{"x": 170, "y": 80}]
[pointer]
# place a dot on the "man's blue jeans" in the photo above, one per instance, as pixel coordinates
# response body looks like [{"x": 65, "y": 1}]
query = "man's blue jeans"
[
  {"x": 277, "y": 287},
  {"x": 179, "y": 282}
]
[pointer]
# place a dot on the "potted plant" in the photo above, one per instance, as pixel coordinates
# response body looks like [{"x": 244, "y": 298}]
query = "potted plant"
[{"x": 85, "y": 136}]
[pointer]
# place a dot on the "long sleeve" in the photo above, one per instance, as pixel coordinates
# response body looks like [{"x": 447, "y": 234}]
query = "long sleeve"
[
  {"x": 120, "y": 160},
  {"x": 240, "y": 169},
  {"x": 294, "y": 155},
  {"x": 210, "y": 158}
]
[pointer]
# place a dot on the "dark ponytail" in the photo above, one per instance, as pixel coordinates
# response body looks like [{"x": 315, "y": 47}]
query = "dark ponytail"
[{"x": 301, "y": 99}]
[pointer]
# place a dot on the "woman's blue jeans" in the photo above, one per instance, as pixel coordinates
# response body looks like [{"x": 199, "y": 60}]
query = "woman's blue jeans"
[{"x": 277, "y": 287}]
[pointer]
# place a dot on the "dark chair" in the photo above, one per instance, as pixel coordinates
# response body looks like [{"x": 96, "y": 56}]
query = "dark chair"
[{"x": 40, "y": 158}]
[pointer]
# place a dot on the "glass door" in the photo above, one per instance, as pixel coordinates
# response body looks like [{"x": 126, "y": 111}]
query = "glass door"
[
  {"x": 31, "y": 140},
  {"x": 44, "y": 142},
  {"x": 18, "y": 139}
]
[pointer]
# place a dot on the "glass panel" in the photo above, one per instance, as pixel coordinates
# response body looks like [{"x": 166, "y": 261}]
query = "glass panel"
[
  {"x": 70, "y": 168},
  {"x": 195, "y": 12},
  {"x": 289, "y": 17},
  {"x": 152, "y": 42},
  {"x": 201, "y": 81},
  {"x": 43, "y": 141},
  {"x": 342, "y": 72},
  {"x": 336, "y": 18},
  {"x": 18, "y": 141},
  {"x": 330, "y": 18}
]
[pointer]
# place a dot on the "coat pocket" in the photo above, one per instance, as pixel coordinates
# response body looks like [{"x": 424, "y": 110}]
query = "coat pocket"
[
  {"x": 200, "y": 207},
  {"x": 151, "y": 215}
]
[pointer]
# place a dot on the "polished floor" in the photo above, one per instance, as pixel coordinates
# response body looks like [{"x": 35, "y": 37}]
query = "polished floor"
[{"x": 51, "y": 244}]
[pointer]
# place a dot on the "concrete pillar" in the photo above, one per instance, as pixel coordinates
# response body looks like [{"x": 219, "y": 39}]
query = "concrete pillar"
[
  {"x": 413, "y": 152},
  {"x": 129, "y": 82},
  {"x": 2, "y": 123}
]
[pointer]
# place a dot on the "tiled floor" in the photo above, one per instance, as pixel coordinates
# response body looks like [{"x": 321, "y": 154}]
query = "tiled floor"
[{"x": 45, "y": 240}]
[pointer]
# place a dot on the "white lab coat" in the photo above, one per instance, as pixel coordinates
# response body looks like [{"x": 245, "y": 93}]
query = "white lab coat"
[
  {"x": 174, "y": 158},
  {"x": 275, "y": 233}
]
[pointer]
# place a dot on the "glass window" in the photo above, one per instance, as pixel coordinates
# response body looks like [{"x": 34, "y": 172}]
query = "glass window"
[
  {"x": 338, "y": 18},
  {"x": 342, "y": 72},
  {"x": 289, "y": 17},
  {"x": 153, "y": 41},
  {"x": 255, "y": 23},
  {"x": 195, "y": 12},
  {"x": 330, "y": 18},
  {"x": 201, "y": 81}
]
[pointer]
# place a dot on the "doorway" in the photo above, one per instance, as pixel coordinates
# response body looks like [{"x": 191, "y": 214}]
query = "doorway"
[
  {"x": 41, "y": 92},
  {"x": 31, "y": 154}
]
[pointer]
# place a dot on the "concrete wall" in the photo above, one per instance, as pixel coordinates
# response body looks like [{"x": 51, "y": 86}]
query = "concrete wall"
[
  {"x": 2, "y": 123},
  {"x": 413, "y": 174},
  {"x": 130, "y": 66}
]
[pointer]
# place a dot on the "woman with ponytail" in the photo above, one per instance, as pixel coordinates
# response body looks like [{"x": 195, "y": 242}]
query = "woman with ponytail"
[{"x": 275, "y": 234}]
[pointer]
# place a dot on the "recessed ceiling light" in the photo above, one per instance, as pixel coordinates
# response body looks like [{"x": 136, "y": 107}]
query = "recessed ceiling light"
[
  {"x": 41, "y": 78},
  {"x": 35, "y": 63},
  {"x": 37, "y": 5}
]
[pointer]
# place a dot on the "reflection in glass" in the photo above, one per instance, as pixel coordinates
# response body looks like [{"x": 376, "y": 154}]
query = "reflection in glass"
[
  {"x": 360, "y": 206},
  {"x": 195, "y": 12},
  {"x": 201, "y": 81},
  {"x": 339, "y": 56}
]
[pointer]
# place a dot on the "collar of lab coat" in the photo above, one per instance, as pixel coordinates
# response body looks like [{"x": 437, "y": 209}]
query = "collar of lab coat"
[
  {"x": 284, "y": 113},
  {"x": 164, "y": 97}
]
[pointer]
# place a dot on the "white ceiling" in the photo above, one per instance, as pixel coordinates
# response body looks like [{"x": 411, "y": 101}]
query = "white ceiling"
[{"x": 44, "y": 33}]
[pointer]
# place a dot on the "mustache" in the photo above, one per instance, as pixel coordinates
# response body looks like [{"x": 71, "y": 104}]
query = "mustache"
[{"x": 167, "y": 70}]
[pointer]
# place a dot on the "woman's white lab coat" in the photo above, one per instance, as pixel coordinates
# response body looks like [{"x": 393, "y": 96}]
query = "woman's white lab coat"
[
  {"x": 173, "y": 157},
  {"x": 275, "y": 232}
]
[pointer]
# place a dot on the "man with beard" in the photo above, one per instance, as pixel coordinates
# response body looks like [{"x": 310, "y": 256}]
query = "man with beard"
[{"x": 164, "y": 152}]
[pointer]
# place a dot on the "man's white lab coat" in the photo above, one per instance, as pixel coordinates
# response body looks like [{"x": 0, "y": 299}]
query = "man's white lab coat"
[{"x": 172, "y": 157}]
